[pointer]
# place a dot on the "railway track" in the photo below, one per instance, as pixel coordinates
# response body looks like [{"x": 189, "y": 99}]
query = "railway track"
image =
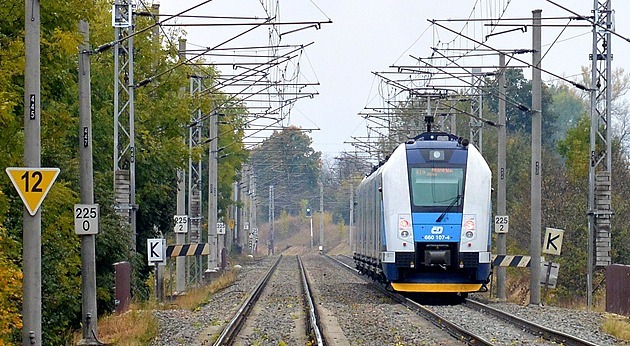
[
  {"x": 534, "y": 328},
  {"x": 452, "y": 328},
  {"x": 507, "y": 329},
  {"x": 282, "y": 297}
]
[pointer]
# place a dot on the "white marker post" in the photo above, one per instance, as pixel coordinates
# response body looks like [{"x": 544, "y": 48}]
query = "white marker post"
[
  {"x": 156, "y": 254},
  {"x": 552, "y": 245}
]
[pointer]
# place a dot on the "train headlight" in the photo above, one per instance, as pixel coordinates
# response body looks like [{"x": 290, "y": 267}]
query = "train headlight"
[
  {"x": 437, "y": 155},
  {"x": 469, "y": 226},
  {"x": 404, "y": 226}
]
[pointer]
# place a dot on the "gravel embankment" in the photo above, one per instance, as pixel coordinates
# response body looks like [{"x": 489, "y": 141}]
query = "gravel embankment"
[
  {"x": 581, "y": 323},
  {"x": 184, "y": 327},
  {"x": 356, "y": 314},
  {"x": 278, "y": 317},
  {"x": 353, "y": 313}
]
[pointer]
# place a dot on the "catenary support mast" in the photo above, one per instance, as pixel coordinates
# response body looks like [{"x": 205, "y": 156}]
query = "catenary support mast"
[
  {"x": 536, "y": 164},
  {"x": 124, "y": 130},
  {"x": 599, "y": 192}
]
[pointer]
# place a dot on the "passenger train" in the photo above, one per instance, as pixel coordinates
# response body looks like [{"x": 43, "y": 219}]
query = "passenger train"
[{"x": 424, "y": 217}]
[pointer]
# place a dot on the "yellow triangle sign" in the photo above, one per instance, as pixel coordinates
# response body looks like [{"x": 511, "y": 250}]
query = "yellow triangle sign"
[{"x": 33, "y": 184}]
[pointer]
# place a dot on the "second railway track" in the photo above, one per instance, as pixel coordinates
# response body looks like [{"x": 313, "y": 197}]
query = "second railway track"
[{"x": 482, "y": 324}]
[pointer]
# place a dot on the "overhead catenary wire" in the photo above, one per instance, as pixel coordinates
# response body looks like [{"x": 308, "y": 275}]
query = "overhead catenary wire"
[
  {"x": 507, "y": 99},
  {"x": 590, "y": 19},
  {"x": 181, "y": 63},
  {"x": 111, "y": 44},
  {"x": 575, "y": 84}
]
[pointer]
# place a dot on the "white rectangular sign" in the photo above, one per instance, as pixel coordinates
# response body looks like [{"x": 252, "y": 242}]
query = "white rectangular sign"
[
  {"x": 156, "y": 250},
  {"x": 552, "y": 243},
  {"x": 220, "y": 228},
  {"x": 549, "y": 276},
  {"x": 501, "y": 223},
  {"x": 181, "y": 224},
  {"x": 86, "y": 219}
]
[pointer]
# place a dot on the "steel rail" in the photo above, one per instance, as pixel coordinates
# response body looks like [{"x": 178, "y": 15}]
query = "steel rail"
[
  {"x": 229, "y": 333},
  {"x": 451, "y": 328},
  {"x": 313, "y": 316},
  {"x": 544, "y": 332}
]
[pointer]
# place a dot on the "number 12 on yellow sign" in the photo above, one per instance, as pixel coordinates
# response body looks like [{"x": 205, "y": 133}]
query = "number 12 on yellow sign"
[{"x": 32, "y": 184}]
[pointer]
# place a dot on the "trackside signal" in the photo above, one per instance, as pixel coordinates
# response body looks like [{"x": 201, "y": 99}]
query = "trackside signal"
[{"x": 32, "y": 184}]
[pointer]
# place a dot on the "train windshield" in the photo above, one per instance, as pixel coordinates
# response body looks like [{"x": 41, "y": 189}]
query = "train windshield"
[{"x": 437, "y": 186}]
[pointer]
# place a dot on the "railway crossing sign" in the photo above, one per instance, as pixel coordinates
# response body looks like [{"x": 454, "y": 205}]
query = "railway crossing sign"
[
  {"x": 86, "y": 219},
  {"x": 181, "y": 224},
  {"x": 501, "y": 223},
  {"x": 553, "y": 241},
  {"x": 32, "y": 184},
  {"x": 156, "y": 250}
]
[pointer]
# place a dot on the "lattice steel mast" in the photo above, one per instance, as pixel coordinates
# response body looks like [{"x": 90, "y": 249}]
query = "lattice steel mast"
[
  {"x": 195, "y": 216},
  {"x": 124, "y": 131},
  {"x": 599, "y": 194}
]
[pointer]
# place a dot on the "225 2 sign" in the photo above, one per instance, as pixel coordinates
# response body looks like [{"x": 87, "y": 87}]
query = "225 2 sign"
[{"x": 501, "y": 223}]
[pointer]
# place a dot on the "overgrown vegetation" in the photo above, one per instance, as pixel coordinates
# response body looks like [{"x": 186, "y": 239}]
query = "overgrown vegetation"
[
  {"x": 139, "y": 325},
  {"x": 162, "y": 114},
  {"x": 617, "y": 326}
]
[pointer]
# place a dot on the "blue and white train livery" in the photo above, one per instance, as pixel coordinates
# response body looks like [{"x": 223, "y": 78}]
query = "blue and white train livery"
[{"x": 424, "y": 217}]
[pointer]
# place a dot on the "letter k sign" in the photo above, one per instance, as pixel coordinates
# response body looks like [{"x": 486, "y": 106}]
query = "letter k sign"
[
  {"x": 553, "y": 241},
  {"x": 156, "y": 250}
]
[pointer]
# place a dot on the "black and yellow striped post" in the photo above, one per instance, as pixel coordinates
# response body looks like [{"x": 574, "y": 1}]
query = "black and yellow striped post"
[
  {"x": 187, "y": 250},
  {"x": 511, "y": 261}
]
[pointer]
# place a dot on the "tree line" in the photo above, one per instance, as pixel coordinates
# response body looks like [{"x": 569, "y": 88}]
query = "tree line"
[{"x": 163, "y": 111}]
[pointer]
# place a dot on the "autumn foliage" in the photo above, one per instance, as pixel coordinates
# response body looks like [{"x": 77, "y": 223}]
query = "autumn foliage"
[{"x": 10, "y": 295}]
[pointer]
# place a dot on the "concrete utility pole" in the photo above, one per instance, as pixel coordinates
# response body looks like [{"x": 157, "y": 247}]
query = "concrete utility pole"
[
  {"x": 89, "y": 316},
  {"x": 501, "y": 186},
  {"x": 180, "y": 238},
  {"x": 247, "y": 207},
  {"x": 321, "y": 214},
  {"x": 212, "y": 193},
  {"x": 124, "y": 117},
  {"x": 536, "y": 168},
  {"x": 476, "y": 107},
  {"x": 351, "y": 215},
  {"x": 453, "y": 117},
  {"x": 253, "y": 222},
  {"x": 32, "y": 225},
  {"x": 270, "y": 238},
  {"x": 600, "y": 169},
  {"x": 235, "y": 213},
  {"x": 250, "y": 202}
]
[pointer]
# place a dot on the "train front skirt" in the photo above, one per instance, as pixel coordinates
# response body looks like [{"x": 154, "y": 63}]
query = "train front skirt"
[{"x": 465, "y": 280}]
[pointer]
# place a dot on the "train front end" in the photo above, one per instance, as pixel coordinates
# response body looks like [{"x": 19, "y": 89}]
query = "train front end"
[{"x": 436, "y": 216}]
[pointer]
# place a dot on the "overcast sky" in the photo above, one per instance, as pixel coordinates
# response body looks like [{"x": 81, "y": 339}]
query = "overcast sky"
[{"x": 370, "y": 35}]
